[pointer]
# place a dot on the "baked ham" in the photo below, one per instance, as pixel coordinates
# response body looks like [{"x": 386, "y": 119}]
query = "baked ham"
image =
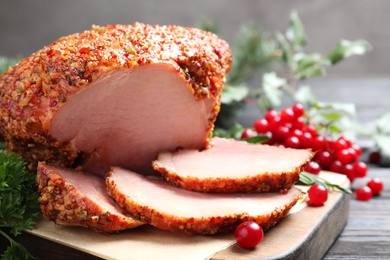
[
  {"x": 114, "y": 95},
  {"x": 233, "y": 166},
  {"x": 167, "y": 207},
  {"x": 72, "y": 198}
]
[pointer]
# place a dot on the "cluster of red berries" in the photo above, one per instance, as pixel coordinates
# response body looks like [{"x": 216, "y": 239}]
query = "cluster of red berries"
[{"x": 289, "y": 128}]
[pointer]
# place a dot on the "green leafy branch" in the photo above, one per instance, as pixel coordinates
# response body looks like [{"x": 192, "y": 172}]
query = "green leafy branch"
[
  {"x": 309, "y": 179},
  {"x": 257, "y": 59}
]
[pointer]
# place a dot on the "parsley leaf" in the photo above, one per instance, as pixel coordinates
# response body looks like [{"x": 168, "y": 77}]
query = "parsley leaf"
[{"x": 19, "y": 207}]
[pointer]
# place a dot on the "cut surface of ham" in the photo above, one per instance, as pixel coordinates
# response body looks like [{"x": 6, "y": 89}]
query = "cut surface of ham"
[
  {"x": 233, "y": 166},
  {"x": 167, "y": 207},
  {"x": 72, "y": 198},
  {"x": 114, "y": 95}
]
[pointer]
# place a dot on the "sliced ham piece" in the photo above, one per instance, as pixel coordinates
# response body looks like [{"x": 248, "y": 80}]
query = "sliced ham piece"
[
  {"x": 72, "y": 198},
  {"x": 114, "y": 95},
  {"x": 170, "y": 208},
  {"x": 233, "y": 166}
]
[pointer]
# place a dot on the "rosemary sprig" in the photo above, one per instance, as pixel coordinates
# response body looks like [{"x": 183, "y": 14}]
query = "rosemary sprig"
[{"x": 306, "y": 178}]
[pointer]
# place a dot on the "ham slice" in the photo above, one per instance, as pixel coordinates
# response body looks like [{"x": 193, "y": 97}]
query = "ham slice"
[
  {"x": 233, "y": 166},
  {"x": 167, "y": 207},
  {"x": 73, "y": 198},
  {"x": 114, "y": 95}
]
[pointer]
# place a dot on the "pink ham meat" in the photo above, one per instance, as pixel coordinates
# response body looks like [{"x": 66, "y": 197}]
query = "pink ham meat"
[
  {"x": 233, "y": 166},
  {"x": 114, "y": 95},
  {"x": 72, "y": 198},
  {"x": 167, "y": 207}
]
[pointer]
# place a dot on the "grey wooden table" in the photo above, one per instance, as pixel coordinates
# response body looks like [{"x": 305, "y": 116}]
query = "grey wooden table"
[{"x": 367, "y": 234}]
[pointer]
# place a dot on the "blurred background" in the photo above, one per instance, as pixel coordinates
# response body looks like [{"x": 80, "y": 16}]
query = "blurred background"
[{"x": 27, "y": 26}]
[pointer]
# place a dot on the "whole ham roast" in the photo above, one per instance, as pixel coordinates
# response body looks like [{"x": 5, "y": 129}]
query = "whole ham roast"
[
  {"x": 98, "y": 111},
  {"x": 115, "y": 95}
]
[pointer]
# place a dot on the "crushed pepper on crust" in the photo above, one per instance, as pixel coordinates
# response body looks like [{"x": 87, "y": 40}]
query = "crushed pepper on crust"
[{"x": 61, "y": 202}]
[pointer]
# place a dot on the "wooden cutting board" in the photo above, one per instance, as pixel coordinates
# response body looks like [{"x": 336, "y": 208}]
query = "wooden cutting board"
[{"x": 306, "y": 233}]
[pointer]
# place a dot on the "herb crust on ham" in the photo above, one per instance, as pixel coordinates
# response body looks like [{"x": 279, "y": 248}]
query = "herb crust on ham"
[
  {"x": 75, "y": 101},
  {"x": 72, "y": 198}
]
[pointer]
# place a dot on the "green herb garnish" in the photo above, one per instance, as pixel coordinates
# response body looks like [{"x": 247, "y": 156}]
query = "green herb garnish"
[
  {"x": 19, "y": 207},
  {"x": 306, "y": 178}
]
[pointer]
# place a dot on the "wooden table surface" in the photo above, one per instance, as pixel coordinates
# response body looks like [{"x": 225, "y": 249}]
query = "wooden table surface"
[{"x": 367, "y": 233}]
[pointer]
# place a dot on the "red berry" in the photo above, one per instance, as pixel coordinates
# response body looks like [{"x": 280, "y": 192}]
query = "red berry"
[
  {"x": 317, "y": 143},
  {"x": 270, "y": 114},
  {"x": 261, "y": 126},
  {"x": 347, "y": 140},
  {"x": 249, "y": 234},
  {"x": 375, "y": 157},
  {"x": 376, "y": 186},
  {"x": 306, "y": 140},
  {"x": 318, "y": 195},
  {"x": 343, "y": 156},
  {"x": 299, "y": 109},
  {"x": 360, "y": 169},
  {"x": 324, "y": 158},
  {"x": 296, "y": 132},
  {"x": 357, "y": 149},
  {"x": 363, "y": 193},
  {"x": 292, "y": 142},
  {"x": 329, "y": 142},
  {"x": 353, "y": 154},
  {"x": 247, "y": 133},
  {"x": 349, "y": 171},
  {"x": 313, "y": 168},
  {"x": 311, "y": 129},
  {"x": 281, "y": 133},
  {"x": 336, "y": 166},
  {"x": 340, "y": 144},
  {"x": 299, "y": 123},
  {"x": 287, "y": 115},
  {"x": 274, "y": 124}
]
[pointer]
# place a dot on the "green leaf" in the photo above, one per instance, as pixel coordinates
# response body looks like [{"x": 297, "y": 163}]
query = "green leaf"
[
  {"x": 333, "y": 129},
  {"x": 287, "y": 55},
  {"x": 304, "y": 95},
  {"x": 208, "y": 25},
  {"x": 383, "y": 123},
  {"x": 309, "y": 65},
  {"x": 253, "y": 52},
  {"x": 353, "y": 128},
  {"x": 271, "y": 87},
  {"x": 348, "y": 108},
  {"x": 383, "y": 143},
  {"x": 346, "y": 49},
  {"x": 15, "y": 251},
  {"x": 296, "y": 31},
  {"x": 6, "y": 62},
  {"x": 332, "y": 116},
  {"x": 257, "y": 139},
  {"x": 233, "y": 132},
  {"x": 236, "y": 93}
]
